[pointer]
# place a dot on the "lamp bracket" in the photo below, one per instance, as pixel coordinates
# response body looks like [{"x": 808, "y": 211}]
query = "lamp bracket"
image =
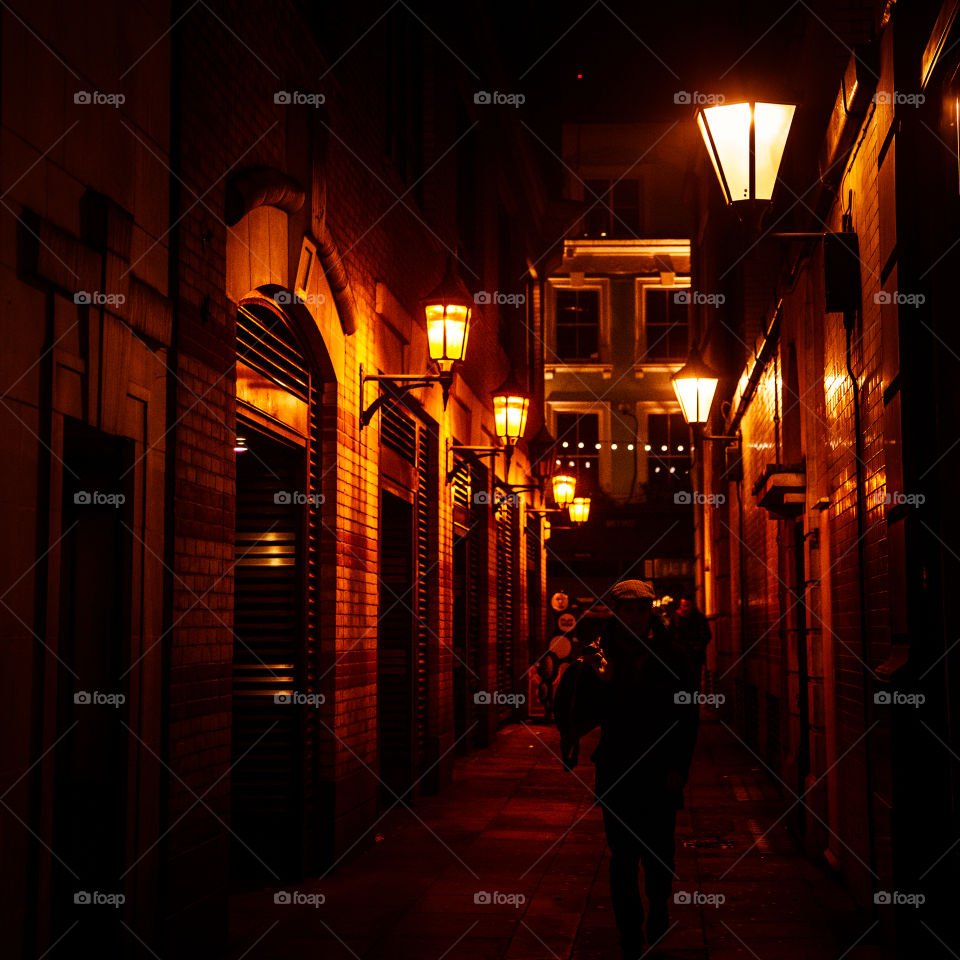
[
  {"x": 720, "y": 436},
  {"x": 473, "y": 456},
  {"x": 396, "y": 386}
]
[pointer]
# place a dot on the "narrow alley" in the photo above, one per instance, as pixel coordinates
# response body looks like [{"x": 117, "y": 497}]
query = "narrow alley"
[{"x": 510, "y": 863}]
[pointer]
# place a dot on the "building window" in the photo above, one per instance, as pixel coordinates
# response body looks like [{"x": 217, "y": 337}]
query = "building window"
[
  {"x": 613, "y": 209},
  {"x": 668, "y": 452},
  {"x": 666, "y": 317},
  {"x": 578, "y": 436},
  {"x": 578, "y": 324}
]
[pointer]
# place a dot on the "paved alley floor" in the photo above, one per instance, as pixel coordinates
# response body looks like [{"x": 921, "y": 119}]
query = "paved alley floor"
[{"x": 509, "y": 862}]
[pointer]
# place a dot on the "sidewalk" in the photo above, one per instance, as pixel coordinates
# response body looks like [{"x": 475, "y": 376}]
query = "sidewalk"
[{"x": 515, "y": 826}]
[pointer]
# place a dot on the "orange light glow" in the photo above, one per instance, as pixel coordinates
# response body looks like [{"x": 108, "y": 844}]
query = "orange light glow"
[
  {"x": 564, "y": 489},
  {"x": 580, "y": 510}
]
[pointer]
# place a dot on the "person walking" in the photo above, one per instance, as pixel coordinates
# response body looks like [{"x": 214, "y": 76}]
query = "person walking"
[{"x": 638, "y": 686}]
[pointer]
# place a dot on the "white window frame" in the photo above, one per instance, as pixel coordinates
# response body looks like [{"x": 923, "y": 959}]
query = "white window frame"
[
  {"x": 552, "y": 364},
  {"x": 604, "y": 420},
  {"x": 640, "y": 287},
  {"x": 644, "y": 409}
]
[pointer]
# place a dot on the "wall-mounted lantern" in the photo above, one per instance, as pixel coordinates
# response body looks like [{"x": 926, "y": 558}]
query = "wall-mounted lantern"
[
  {"x": 695, "y": 384},
  {"x": 564, "y": 489},
  {"x": 580, "y": 510},
  {"x": 511, "y": 403},
  {"x": 746, "y": 142},
  {"x": 447, "y": 310}
]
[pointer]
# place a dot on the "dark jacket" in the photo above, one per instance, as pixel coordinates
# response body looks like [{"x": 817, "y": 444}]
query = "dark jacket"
[
  {"x": 692, "y": 634},
  {"x": 648, "y": 727}
]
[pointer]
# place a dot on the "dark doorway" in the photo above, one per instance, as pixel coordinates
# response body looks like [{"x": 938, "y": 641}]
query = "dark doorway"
[
  {"x": 396, "y": 668},
  {"x": 90, "y": 816},
  {"x": 266, "y": 747}
]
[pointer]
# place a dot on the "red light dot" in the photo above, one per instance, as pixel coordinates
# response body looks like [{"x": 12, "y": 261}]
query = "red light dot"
[{"x": 579, "y": 76}]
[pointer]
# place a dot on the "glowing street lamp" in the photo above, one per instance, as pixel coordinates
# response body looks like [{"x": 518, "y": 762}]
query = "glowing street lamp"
[
  {"x": 447, "y": 310},
  {"x": 695, "y": 384},
  {"x": 510, "y": 406},
  {"x": 746, "y": 143},
  {"x": 564, "y": 489},
  {"x": 580, "y": 510}
]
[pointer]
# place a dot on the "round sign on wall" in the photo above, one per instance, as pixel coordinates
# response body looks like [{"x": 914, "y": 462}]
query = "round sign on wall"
[
  {"x": 561, "y": 646},
  {"x": 560, "y": 601},
  {"x": 566, "y": 622}
]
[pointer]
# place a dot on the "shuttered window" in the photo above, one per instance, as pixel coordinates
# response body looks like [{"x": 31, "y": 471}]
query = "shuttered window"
[
  {"x": 407, "y": 598},
  {"x": 276, "y": 746},
  {"x": 506, "y": 593},
  {"x": 469, "y": 560}
]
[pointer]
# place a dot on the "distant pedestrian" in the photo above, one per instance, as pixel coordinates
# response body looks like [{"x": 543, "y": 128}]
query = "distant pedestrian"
[
  {"x": 637, "y": 685},
  {"x": 691, "y": 632}
]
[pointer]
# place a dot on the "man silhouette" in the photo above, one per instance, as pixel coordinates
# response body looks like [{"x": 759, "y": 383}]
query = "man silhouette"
[{"x": 639, "y": 686}]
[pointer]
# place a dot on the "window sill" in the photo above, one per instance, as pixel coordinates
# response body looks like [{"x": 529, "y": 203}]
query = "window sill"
[
  {"x": 604, "y": 369},
  {"x": 640, "y": 368}
]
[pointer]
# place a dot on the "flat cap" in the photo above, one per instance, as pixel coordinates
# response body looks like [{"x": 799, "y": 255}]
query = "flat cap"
[{"x": 632, "y": 590}]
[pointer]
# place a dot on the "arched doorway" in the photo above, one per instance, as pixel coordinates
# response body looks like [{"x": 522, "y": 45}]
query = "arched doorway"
[{"x": 279, "y": 711}]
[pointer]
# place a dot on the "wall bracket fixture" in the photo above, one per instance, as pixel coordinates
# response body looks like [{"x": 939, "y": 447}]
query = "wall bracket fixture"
[
  {"x": 473, "y": 456},
  {"x": 395, "y": 387}
]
